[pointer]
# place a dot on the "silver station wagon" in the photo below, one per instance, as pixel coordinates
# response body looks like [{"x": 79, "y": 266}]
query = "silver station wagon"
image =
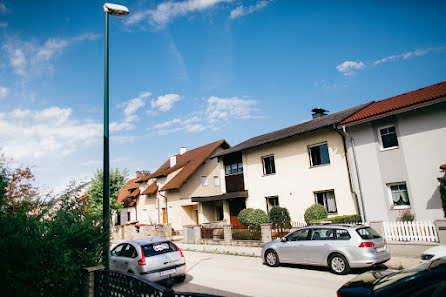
[
  {"x": 154, "y": 259},
  {"x": 337, "y": 246}
]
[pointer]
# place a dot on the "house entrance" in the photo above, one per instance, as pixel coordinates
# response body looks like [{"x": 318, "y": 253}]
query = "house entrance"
[
  {"x": 164, "y": 216},
  {"x": 235, "y": 206}
]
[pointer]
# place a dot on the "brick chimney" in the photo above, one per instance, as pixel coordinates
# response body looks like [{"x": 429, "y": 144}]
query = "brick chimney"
[{"x": 318, "y": 112}]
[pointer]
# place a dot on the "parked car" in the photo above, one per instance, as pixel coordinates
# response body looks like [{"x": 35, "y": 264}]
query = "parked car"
[
  {"x": 154, "y": 259},
  {"x": 337, "y": 246},
  {"x": 433, "y": 253},
  {"x": 423, "y": 280}
]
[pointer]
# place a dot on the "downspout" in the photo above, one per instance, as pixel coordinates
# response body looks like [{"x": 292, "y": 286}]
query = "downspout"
[
  {"x": 167, "y": 214},
  {"x": 352, "y": 142}
]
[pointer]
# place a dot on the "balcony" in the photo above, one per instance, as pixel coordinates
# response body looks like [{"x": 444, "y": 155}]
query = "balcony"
[{"x": 234, "y": 183}]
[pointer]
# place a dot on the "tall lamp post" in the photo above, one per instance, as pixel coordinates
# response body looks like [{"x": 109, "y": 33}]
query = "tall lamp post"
[{"x": 117, "y": 10}]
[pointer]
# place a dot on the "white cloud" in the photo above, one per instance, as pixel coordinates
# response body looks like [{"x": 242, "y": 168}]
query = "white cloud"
[
  {"x": 165, "y": 102},
  {"x": 133, "y": 105},
  {"x": 100, "y": 162},
  {"x": 410, "y": 54},
  {"x": 26, "y": 57},
  {"x": 167, "y": 11},
  {"x": 3, "y": 92},
  {"x": 167, "y": 124},
  {"x": 348, "y": 67},
  {"x": 245, "y": 10},
  {"x": 123, "y": 126},
  {"x": 29, "y": 134},
  {"x": 225, "y": 108}
]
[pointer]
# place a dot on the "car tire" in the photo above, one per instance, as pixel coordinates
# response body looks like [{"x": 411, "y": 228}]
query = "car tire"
[
  {"x": 180, "y": 279},
  {"x": 271, "y": 258},
  {"x": 338, "y": 264}
]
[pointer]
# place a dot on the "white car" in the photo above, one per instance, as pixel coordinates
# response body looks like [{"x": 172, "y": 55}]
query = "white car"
[{"x": 433, "y": 253}]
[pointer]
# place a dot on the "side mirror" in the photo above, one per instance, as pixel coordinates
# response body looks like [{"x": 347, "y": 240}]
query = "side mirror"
[{"x": 283, "y": 239}]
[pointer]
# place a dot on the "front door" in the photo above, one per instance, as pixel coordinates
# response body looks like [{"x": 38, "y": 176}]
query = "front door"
[
  {"x": 196, "y": 216},
  {"x": 164, "y": 216},
  {"x": 235, "y": 206}
]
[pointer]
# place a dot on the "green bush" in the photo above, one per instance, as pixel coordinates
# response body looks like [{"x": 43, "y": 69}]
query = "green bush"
[
  {"x": 348, "y": 219},
  {"x": 443, "y": 198},
  {"x": 315, "y": 212},
  {"x": 407, "y": 216},
  {"x": 246, "y": 234},
  {"x": 279, "y": 215},
  {"x": 253, "y": 217}
]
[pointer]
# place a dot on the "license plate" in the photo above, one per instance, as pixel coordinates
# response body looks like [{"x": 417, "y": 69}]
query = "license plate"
[
  {"x": 166, "y": 272},
  {"x": 381, "y": 249}
]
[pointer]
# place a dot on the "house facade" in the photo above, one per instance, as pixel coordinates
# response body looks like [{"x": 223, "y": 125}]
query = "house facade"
[
  {"x": 395, "y": 149},
  {"x": 295, "y": 168},
  {"x": 164, "y": 196}
]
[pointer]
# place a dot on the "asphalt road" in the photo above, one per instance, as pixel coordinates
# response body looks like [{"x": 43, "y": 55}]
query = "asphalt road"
[{"x": 227, "y": 275}]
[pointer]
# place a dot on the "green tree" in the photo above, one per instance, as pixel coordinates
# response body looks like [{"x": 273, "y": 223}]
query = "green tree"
[
  {"x": 253, "y": 217},
  {"x": 315, "y": 212},
  {"x": 279, "y": 215},
  {"x": 94, "y": 201}
]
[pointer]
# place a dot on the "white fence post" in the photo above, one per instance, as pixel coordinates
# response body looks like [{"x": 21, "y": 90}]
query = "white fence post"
[{"x": 410, "y": 231}]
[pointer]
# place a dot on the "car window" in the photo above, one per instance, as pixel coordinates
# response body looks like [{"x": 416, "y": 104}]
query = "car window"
[
  {"x": 342, "y": 234},
  {"x": 158, "y": 248},
  {"x": 322, "y": 234},
  {"x": 117, "y": 250},
  {"x": 129, "y": 251},
  {"x": 298, "y": 235},
  {"x": 367, "y": 233}
]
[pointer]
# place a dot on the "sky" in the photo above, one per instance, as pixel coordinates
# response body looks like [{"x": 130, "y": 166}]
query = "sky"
[{"x": 190, "y": 72}]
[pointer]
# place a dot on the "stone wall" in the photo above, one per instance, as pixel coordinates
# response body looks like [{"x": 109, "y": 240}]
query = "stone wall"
[{"x": 131, "y": 232}]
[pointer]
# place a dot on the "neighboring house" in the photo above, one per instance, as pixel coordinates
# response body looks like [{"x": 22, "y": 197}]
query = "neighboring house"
[
  {"x": 128, "y": 196},
  {"x": 294, "y": 167},
  {"x": 165, "y": 195},
  {"x": 395, "y": 148},
  {"x": 76, "y": 191}
]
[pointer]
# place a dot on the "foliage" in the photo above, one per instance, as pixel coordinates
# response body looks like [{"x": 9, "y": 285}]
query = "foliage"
[
  {"x": 43, "y": 252},
  {"x": 94, "y": 201},
  {"x": 443, "y": 198},
  {"x": 348, "y": 219},
  {"x": 279, "y": 215},
  {"x": 247, "y": 234},
  {"x": 253, "y": 217},
  {"x": 407, "y": 216},
  {"x": 315, "y": 212}
]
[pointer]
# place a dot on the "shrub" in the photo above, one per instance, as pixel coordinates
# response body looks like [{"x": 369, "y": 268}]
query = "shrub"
[
  {"x": 279, "y": 215},
  {"x": 443, "y": 198},
  {"x": 253, "y": 217},
  {"x": 246, "y": 234},
  {"x": 407, "y": 216},
  {"x": 315, "y": 212},
  {"x": 348, "y": 219}
]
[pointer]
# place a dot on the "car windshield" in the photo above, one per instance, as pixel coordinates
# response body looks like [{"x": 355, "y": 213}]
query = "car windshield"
[
  {"x": 403, "y": 274},
  {"x": 158, "y": 248},
  {"x": 367, "y": 233}
]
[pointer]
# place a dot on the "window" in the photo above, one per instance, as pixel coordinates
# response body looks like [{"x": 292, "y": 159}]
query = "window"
[
  {"x": 298, "y": 235},
  {"x": 319, "y": 154},
  {"x": 271, "y": 202},
  {"x": 234, "y": 168},
  {"x": 128, "y": 216},
  {"x": 400, "y": 196},
  {"x": 268, "y": 165},
  {"x": 158, "y": 249},
  {"x": 367, "y": 233},
  {"x": 342, "y": 234},
  {"x": 322, "y": 234},
  {"x": 327, "y": 199},
  {"x": 129, "y": 251},
  {"x": 204, "y": 180},
  {"x": 117, "y": 250},
  {"x": 388, "y": 137},
  {"x": 220, "y": 214},
  {"x": 216, "y": 181}
]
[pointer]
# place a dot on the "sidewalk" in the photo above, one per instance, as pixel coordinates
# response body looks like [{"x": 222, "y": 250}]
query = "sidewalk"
[{"x": 394, "y": 262}]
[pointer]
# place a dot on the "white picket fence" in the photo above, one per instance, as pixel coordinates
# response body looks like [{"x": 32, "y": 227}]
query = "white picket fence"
[{"x": 410, "y": 231}]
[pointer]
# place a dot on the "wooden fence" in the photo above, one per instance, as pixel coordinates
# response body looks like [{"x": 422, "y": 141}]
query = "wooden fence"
[{"x": 411, "y": 231}]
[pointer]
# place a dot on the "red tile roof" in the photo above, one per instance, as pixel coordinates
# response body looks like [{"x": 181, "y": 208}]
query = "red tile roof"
[
  {"x": 125, "y": 192},
  {"x": 150, "y": 189},
  {"x": 398, "y": 103},
  {"x": 83, "y": 197}
]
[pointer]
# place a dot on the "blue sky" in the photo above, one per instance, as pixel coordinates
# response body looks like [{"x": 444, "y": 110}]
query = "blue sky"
[{"x": 186, "y": 73}]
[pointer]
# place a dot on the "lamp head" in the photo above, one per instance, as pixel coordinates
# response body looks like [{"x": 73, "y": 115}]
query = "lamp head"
[{"x": 116, "y": 9}]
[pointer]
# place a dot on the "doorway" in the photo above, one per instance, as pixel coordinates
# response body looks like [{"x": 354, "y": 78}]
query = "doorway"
[
  {"x": 235, "y": 206},
  {"x": 164, "y": 215}
]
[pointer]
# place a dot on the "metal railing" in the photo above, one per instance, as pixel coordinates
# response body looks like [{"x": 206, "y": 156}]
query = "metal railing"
[
  {"x": 112, "y": 283},
  {"x": 212, "y": 233}
]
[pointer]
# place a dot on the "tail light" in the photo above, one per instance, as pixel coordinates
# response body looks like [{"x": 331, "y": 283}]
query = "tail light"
[
  {"x": 181, "y": 252},
  {"x": 142, "y": 261},
  {"x": 338, "y": 294},
  {"x": 366, "y": 244}
]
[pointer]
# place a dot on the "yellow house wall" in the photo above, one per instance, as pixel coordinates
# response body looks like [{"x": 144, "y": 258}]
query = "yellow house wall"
[{"x": 295, "y": 181}]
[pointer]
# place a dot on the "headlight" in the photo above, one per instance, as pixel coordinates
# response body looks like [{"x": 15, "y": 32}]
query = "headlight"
[{"x": 426, "y": 256}]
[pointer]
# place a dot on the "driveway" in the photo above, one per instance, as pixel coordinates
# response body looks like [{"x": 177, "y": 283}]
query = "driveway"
[{"x": 228, "y": 275}]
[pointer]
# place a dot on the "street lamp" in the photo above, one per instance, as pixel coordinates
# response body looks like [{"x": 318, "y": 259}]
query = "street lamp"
[{"x": 117, "y": 10}]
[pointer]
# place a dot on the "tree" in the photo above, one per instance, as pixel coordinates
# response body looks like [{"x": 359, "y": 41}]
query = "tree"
[
  {"x": 279, "y": 215},
  {"x": 94, "y": 201},
  {"x": 253, "y": 217},
  {"x": 315, "y": 212}
]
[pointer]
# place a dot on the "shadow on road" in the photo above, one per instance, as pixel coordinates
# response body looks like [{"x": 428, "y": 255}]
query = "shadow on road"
[{"x": 378, "y": 267}]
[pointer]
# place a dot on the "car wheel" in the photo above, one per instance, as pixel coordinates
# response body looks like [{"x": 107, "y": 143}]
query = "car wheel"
[
  {"x": 338, "y": 264},
  {"x": 180, "y": 279},
  {"x": 271, "y": 258}
]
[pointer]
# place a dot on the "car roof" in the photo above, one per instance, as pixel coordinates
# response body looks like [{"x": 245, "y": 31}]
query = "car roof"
[
  {"x": 332, "y": 226},
  {"x": 146, "y": 241}
]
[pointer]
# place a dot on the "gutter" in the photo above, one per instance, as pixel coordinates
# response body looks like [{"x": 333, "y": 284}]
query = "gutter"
[{"x": 361, "y": 204}]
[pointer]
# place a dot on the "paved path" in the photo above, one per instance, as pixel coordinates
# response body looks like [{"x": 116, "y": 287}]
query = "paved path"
[{"x": 229, "y": 275}]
